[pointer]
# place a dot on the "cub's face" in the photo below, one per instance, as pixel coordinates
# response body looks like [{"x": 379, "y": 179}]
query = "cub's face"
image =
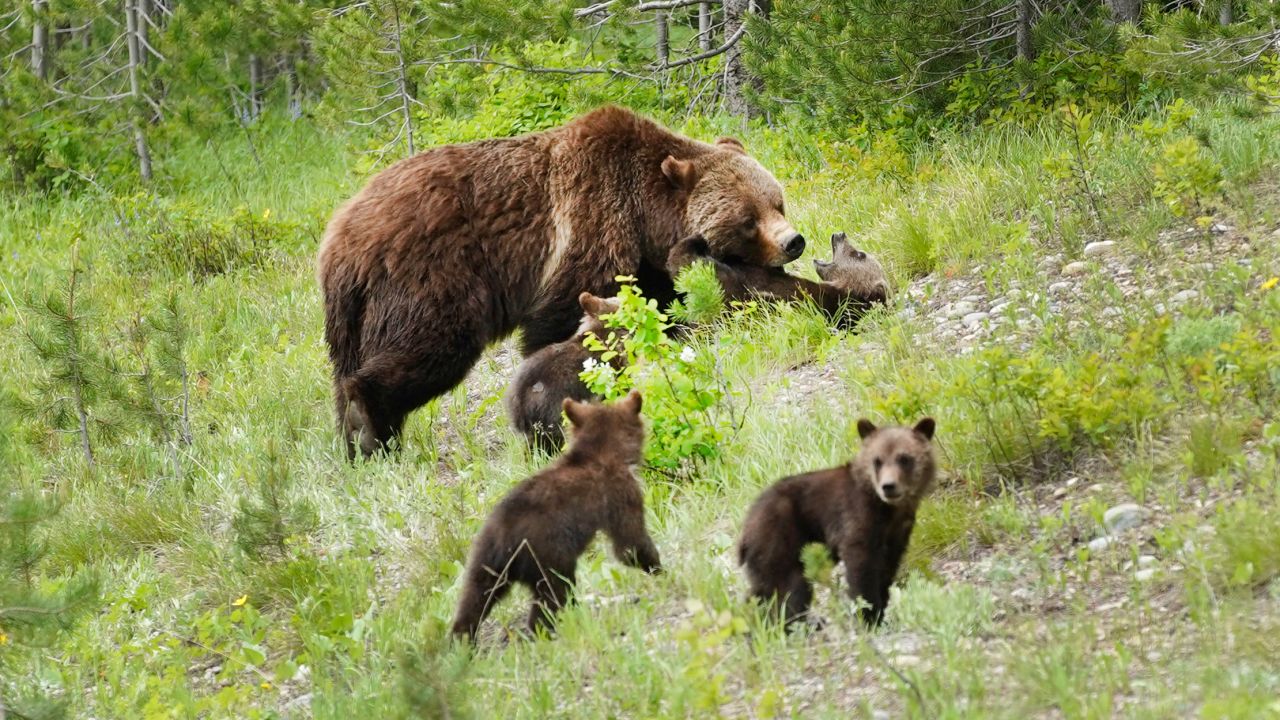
[
  {"x": 736, "y": 205},
  {"x": 852, "y": 270},
  {"x": 898, "y": 460}
]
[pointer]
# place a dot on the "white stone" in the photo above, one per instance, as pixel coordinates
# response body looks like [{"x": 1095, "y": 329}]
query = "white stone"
[
  {"x": 1184, "y": 296},
  {"x": 960, "y": 309},
  {"x": 1076, "y": 268},
  {"x": 972, "y": 298},
  {"x": 1122, "y": 517},
  {"x": 972, "y": 320},
  {"x": 1101, "y": 247},
  {"x": 1059, "y": 287},
  {"x": 1144, "y": 575},
  {"x": 999, "y": 308},
  {"x": 1097, "y": 545},
  {"x": 1145, "y": 561}
]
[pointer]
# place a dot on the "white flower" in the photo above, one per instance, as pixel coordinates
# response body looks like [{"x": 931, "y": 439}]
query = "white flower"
[
  {"x": 590, "y": 364},
  {"x": 687, "y": 354}
]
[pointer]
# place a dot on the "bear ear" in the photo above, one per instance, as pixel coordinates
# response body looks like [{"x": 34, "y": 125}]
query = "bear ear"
[
  {"x": 592, "y": 304},
  {"x": 575, "y": 411},
  {"x": 680, "y": 173},
  {"x": 865, "y": 428},
  {"x": 731, "y": 144},
  {"x": 925, "y": 428},
  {"x": 632, "y": 402}
]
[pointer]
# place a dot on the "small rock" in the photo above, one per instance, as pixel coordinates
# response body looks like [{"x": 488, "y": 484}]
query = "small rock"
[
  {"x": 1122, "y": 517},
  {"x": 1060, "y": 492},
  {"x": 1185, "y": 296},
  {"x": 1110, "y": 311},
  {"x": 1219, "y": 228},
  {"x": 1101, "y": 247},
  {"x": 1145, "y": 561},
  {"x": 1076, "y": 268},
  {"x": 960, "y": 309},
  {"x": 1097, "y": 545},
  {"x": 1072, "y": 481},
  {"x": 1145, "y": 574},
  {"x": 1021, "y": 594},
  {"x": 972, "y": 320},
  {"x": 1059, "y": 287},
  {"x": 971, "y": 298},
  {"x": 999, "y": 308}
]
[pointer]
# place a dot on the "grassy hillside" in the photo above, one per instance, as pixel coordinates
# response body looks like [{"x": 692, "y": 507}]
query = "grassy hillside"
[{"x": 252, "y": 573}]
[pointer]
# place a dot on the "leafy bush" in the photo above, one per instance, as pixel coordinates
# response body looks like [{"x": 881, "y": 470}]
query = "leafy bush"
[{"x": 679, "y": 384}]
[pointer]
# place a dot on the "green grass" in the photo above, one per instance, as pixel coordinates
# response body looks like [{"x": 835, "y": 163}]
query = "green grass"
[{"x": 997, "y": 614}]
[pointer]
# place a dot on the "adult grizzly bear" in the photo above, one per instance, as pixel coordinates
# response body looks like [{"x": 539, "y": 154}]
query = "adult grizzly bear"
[{"x": 450, "y": 250}]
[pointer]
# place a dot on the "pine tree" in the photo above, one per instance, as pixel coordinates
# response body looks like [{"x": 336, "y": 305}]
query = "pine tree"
[{"x": 265, "y": 522}]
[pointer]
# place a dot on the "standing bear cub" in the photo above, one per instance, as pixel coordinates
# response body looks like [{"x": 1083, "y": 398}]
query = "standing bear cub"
[
  {"x": 863, "y": 512},
  {"x": 537, "y": 532},
  {"x": 545, "y": 378},
  {"x": 449, "y": 251},
  {"x": 852, "y": 281}
]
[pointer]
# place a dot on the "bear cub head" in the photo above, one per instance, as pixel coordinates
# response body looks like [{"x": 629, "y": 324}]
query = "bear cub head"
[
  {"x": 614, "y": 433},
  {"x": 736, "y": 204},
  {"x": 898, "y": 461},
  {"x": 853, "y": 270},
  {"x": 593, "y": 307}
]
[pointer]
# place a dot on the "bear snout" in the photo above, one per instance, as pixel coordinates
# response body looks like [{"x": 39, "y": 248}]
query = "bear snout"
[{"x": 793, "y": 246}]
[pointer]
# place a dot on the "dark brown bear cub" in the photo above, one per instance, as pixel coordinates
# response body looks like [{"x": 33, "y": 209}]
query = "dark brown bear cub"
[
  {"x": 863, "y": 512},
  {"x": 536, "y": 533},
  {"x": 547, "y": 377},
  {"x": 852, "y": 282}
]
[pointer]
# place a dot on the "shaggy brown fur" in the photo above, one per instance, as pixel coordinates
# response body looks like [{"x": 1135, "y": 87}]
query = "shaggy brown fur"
[
  {"x": 547, "y": 377},
  {"x": 853, "y": 281},
  {"x": 538, "y": 531},
  {"x": 450, "y": 250},
  {"x": 863, "y": 512}
]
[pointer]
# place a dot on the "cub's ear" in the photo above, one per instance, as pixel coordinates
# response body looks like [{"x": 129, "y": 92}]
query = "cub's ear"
[
  {"x": 593, "y": 305},
  {"x": 632, "y": 402},
  {"x": 925, "y": 428},
  {"x": 732, "y": 144},
  {"x": 680, "y": 173},
  {"x": 865, "y": 428},
  {"x": 575, "y": 411}
]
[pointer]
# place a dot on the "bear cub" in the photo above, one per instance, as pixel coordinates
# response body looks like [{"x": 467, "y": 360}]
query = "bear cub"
[
  {"x": 863, "y": 512},
  {"x": 852, "y": 281},
  {"x": 537, "y": 532},
  {"x": 548, "y": 376}
]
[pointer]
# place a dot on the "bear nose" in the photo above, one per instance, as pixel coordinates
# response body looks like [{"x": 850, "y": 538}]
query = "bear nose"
[
  {"x": 794, "y": 246},
  {"x": 890, "y": 489}
]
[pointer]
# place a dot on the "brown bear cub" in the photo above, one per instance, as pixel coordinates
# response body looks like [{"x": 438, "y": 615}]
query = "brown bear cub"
[
  {"x": 536, "y": 533},
  {"x": 547, "y": 377},
  {"x": 863, "y": 512},
  {"x": 852, "y": 282}
]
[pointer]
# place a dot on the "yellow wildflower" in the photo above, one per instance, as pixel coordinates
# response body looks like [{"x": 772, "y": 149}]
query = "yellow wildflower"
[
  {"x": 1270, "y": 283},
  {"x": 240, "y": 601}
]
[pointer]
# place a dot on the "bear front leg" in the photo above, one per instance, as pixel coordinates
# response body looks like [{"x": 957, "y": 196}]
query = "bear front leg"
[
  {"x": 864, "y": 575},
  {"x": 632, "y": 544}
]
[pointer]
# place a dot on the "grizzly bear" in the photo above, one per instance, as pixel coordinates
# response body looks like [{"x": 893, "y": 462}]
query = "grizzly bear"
[
  {"x": 448, "y": 251},
  {"x": 863, "y": 512},
  {"x": 547, "y": 377},
  {"x": 852, "y": 281},
  {"x": 537, "y": 532}
]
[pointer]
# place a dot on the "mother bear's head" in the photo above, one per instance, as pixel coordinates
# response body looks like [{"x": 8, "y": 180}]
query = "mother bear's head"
[{"x": 736, "y": 205}]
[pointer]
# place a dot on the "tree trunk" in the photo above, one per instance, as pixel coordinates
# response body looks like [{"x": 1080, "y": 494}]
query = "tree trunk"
[
  {"x": 135, "y": 90},
  {"x": 737, "y": 79},
  {"x": 40, "y": 40},
  {"x": 144, "y": 27},
  {"x": 1226, "y": 13},
  {"x": 664, "y": 42},
  {"x": 402, "y": 68},
  {"x": 704, "y": 26},
  {"x": 1025, "y": 21},
  {"x": 292, "y": 91},
  {"x": 1125, "y": 11},
  {"x": 255, "y": 86}
]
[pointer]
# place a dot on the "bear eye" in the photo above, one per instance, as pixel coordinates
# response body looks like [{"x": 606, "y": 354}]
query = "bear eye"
[
  {"x": 878, "y": 463},
  {"x": 906, "y": 461},
  {"x": 749, "y": 225}
]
